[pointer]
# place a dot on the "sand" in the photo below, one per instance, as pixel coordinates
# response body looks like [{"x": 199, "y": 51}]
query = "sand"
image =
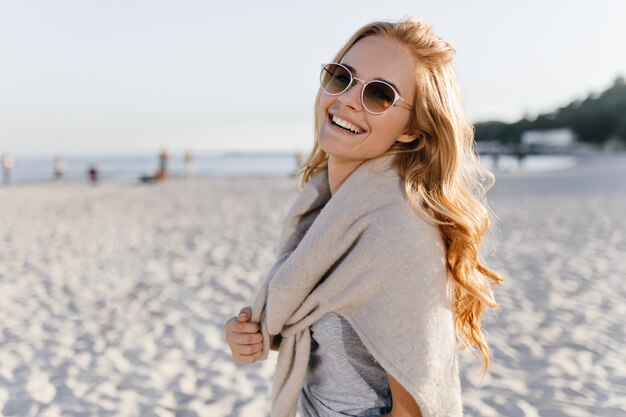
[{"x": 113, "y": 297}]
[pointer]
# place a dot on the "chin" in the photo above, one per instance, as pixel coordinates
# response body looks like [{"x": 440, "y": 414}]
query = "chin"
[{"x": 331, "y": 147}]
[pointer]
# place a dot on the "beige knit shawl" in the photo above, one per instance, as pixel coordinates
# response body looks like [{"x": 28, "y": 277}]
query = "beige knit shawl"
[{"x": 366, "y": 255}]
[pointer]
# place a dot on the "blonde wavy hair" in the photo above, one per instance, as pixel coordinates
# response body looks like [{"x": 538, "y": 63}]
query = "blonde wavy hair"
[{"x": 443, "y": 177}]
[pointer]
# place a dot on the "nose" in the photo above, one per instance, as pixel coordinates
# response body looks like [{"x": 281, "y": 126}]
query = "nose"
[{"x": 352, "y": 96}]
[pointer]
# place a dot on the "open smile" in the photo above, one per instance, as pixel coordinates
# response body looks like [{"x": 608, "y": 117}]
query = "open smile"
[{"x": 343, "y": 126}]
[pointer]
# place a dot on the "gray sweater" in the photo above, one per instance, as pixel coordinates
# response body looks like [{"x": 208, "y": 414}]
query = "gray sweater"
[{"x": 366, "y": 255}]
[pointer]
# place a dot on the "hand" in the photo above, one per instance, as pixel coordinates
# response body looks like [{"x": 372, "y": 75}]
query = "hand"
[{"x": 244, "y": 338}]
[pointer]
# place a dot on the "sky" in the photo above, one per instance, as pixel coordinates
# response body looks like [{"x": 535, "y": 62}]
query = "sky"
[{"x": 136, "y": 76}]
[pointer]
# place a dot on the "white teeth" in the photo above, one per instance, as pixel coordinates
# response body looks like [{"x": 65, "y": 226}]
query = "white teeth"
[{"x": 346, "y": 124}]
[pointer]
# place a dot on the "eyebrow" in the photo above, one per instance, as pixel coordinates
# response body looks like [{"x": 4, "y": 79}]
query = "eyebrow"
[{"x": 351, "y": 68}]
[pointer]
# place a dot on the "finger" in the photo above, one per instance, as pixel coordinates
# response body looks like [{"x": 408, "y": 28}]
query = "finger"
[
  {"x": 245, "y": 314},
  {"x": 229, "y": 325},
  {"x": 246, "y": 338},
  {"x": 248, "y": 358},
  {"x": 246, "y": 327},
  {"x": 234, "y": 325},
  {"x": 248, "y": 350},
  {"x": 244, "y": 359}
]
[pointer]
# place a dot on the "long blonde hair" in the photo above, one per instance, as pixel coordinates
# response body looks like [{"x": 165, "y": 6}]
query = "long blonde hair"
[{"x": 443, "y": 177}]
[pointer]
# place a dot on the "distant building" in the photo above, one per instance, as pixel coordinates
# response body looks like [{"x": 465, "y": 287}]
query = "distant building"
[{"x": 553, "y": 138}]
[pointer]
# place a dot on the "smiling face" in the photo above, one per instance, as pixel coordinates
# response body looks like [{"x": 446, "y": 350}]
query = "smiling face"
[{"x": 373, "y": 57}]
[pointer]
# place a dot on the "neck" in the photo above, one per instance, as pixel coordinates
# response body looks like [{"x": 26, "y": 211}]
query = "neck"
[{"x": 339, "y": 169}]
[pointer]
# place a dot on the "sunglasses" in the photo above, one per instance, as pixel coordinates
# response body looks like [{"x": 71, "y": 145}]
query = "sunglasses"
[{"x": 376, "y": 96}]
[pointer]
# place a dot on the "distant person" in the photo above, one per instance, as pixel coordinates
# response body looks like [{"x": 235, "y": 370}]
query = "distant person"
[
  {"x": 7, "y": 167},
  {"x": 520, "y": 152},
  {"x": 162, "y": 173},
  {"x": 299, "y": 161},
  {"x": 378, "y": 266},
  {"x": 59, "y": 167},
  {"x": 189, "y": 164},
  {"x": 496, "y": 160},
  {"x": 93, "y": 174}
]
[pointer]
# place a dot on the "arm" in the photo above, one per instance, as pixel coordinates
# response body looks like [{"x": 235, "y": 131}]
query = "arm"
[{"x": 403, "y": 403}]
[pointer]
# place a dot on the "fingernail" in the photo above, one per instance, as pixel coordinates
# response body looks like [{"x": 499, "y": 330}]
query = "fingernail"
[{"x": 243, "y": 314}]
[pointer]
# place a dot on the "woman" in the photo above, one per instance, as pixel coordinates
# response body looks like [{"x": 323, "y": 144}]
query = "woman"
[{"x": 378, "y": 265}]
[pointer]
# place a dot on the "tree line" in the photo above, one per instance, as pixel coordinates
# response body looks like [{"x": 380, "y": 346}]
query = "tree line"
[{"x": 596, "y": 119}]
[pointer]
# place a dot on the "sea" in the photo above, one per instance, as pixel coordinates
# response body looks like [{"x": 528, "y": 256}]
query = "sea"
[{"x": 130, "y": 168}]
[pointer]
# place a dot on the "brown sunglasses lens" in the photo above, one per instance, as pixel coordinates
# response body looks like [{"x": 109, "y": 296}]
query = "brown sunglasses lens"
[
  {"x": 378, "y": 96},
  {"x": 335, "y": 78}
]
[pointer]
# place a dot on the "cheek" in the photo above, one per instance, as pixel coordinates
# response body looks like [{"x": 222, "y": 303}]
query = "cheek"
[
  {"x": 323, "y": 108},
  {"x": 326, "y": 101},
  {"x": 388, "y": 129}
]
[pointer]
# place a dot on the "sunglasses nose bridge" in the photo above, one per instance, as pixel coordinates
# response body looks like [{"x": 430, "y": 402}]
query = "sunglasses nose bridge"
[
  {"x": 353, "y": 82},
  {"x": 356, "y": 80}
]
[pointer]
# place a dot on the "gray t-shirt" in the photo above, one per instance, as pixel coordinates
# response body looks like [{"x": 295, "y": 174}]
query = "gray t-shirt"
[{"x": 343, "y": 378}]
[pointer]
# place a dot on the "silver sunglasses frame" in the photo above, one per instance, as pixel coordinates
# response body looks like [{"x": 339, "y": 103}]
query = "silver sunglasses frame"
[{"x": 397, "y": 95}]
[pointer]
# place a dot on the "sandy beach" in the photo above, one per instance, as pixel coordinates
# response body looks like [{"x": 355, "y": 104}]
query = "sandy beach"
[{"x": 113, "y": 297}]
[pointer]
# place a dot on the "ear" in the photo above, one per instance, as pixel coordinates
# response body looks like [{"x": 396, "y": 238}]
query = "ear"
[
  {"x": 409, "y": 134},
  {"x": 407, "y": 137}
]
